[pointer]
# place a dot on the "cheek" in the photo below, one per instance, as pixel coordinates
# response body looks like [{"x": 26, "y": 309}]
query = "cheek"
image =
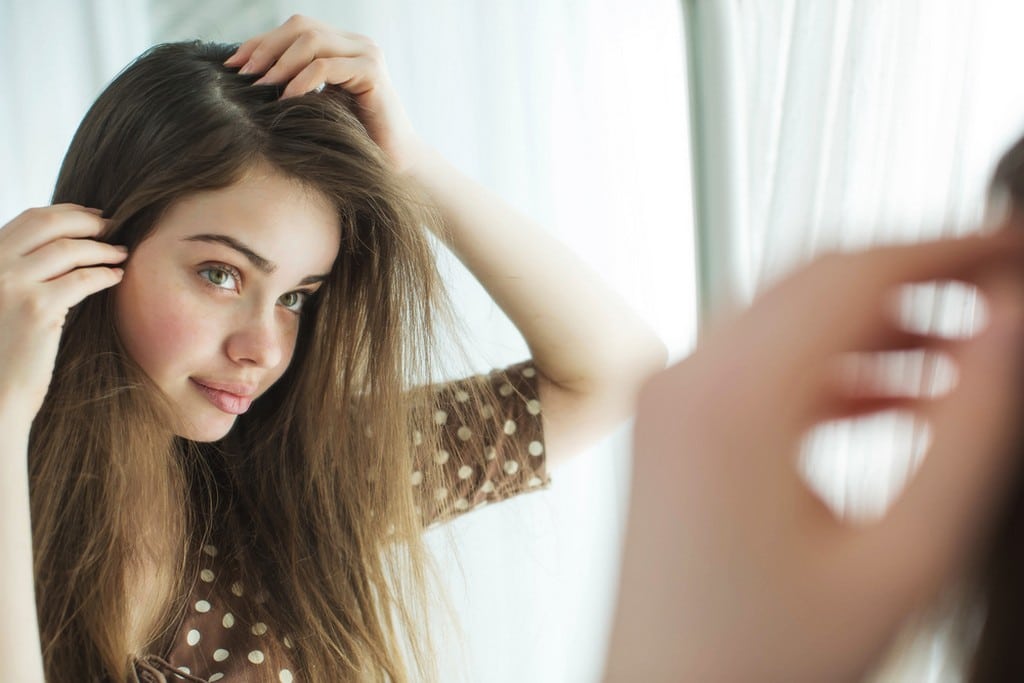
[{"x": 161, "y": 327}]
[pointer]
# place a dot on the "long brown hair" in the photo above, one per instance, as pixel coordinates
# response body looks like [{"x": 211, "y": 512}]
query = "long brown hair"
[{"x": 310, "y": 490}]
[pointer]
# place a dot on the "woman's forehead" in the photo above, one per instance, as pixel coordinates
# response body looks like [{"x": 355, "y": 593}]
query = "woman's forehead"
[{"x": 272, "y": 215}]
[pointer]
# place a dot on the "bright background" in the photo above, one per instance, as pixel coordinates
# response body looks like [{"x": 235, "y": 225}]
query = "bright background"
[{"x": 814, "y": 124}]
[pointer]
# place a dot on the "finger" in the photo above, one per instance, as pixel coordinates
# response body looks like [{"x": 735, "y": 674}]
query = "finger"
[
  {"x": 295, "y": 58},
  {"x": 905, "y": 379},
  {"x": 69, "y": 290},
  {"x": 273, "y": 44},
  {"x": 40, "y": 225},
  {"x": 64, "y": 255},
  {"x": 847, "y": 295},
  {"x": 964, "y": 258},
  {"x": 895, "y": 338},
  {"x": 307, "y": 48},
  {"x": 242, "y": 53},
  {"x": 848, "y": 408},
  {"x": 357, "y": 75}
]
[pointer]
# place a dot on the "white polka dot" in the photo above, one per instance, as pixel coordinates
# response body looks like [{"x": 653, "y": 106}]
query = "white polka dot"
[
  {"x": 193, "y": 637},
  {"x": 487, "y": 412},
  {"x": 210, "y": 550},
  {"x": 391, "y": 529},
  {"x": 287, "y": 642},
  {"x": 215, "y": 677},
  {"x": 533, "y": 406},
  {"x": 259, "y": 628},
  {"x": 509, "y": 427},
  {"x": 261, "y": 597},
  {"x": 511, "y": 467},
  {"x": 285, "y": 676},
  {"x": 441, "y": 457},
  {"x": 465, "y": 433},
  {"x": 488, "y": 486},
  {"x": 462, "y": 504},
  {"x": 535, "y": 448},
  {"x": 534, "y": 481},
  {"x": 465, "y": 472},
  {"x": 256, "y": 656},
  {"x": 219, "y": 655},
  {"x": 417, "y": 478},
  {"x": 480, "y": 505},
  {"x": 184, "y": 669},
  {"x": 490, "y": 452},
  {"x": 505, "y": 389},
  {"x": 206, "y": 575},
  {"x": 529, "y": 372},
  {"x": 236, "y": 588},
  {"x": 441, "y": 493},
  {"x": 461, "y": 396},
  {"x": 440, "y": 417},
  {"x": 417, "y": 438},
  {"x": 368, "y": 431},
  {"x": 228, "y": 621},
  {"x": 203, "y": 606}
]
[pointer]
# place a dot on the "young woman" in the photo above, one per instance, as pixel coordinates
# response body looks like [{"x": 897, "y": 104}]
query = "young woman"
[{"x": 219, "y": 405}]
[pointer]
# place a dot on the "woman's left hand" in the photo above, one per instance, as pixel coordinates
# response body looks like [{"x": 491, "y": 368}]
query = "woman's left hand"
[
  {"x": 733, "y": 569},
  {"x": 304, "y": 54}
]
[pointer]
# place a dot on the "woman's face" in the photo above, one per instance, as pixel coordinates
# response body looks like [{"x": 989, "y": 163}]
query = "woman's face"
[{"x": 210, "y": 301}]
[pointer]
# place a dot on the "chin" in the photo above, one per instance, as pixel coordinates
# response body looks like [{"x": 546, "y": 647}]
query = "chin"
[{"x": 205, "y": 433}]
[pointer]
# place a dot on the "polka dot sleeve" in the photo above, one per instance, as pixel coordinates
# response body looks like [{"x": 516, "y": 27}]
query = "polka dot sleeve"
[{"x": 489, "y": 445}]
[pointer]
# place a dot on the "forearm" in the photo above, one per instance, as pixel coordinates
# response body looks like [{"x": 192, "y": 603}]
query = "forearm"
[
  {"x": 20, "y": 649},
  {"x": 581, "y": 334}
]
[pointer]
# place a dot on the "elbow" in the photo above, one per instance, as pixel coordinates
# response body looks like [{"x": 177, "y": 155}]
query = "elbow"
[
  {"x": 659, "y": 354},
  {"x": 650, "y": 358},
  {"x": 636, "y": 366}
]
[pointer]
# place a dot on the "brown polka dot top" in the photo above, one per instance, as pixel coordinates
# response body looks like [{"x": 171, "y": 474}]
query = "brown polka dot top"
[{"x": 488, "y": 452}]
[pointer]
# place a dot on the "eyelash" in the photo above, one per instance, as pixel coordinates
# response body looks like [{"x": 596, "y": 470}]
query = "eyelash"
[{"x": 232, "y": 272}]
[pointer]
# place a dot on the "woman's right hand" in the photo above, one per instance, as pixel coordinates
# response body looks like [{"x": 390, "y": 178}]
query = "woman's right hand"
[{"x": 50, "y": 260}]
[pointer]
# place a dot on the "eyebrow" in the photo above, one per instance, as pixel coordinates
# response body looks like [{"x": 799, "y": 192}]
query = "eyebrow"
[{"x": 262, "y": 264}]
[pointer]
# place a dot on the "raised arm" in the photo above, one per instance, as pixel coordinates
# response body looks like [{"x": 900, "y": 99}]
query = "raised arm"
[{"x": 591, "y": 351}]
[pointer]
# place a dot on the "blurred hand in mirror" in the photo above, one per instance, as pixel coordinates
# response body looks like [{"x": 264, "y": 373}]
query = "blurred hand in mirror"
[{"x": 733, "y": 569}]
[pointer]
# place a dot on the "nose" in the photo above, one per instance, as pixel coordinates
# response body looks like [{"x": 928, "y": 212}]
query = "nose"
[{"x": 258, "y": 340}]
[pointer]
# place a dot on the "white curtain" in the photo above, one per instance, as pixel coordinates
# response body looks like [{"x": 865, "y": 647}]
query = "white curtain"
[
  {"x": 573, "y": 111},
  {"x": 57, "y": 56},
  {"x": 838, "y": 124}
]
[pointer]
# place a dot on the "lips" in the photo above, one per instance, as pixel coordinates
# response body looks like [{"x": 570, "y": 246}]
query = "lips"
[{"x": 233, "y": 399}]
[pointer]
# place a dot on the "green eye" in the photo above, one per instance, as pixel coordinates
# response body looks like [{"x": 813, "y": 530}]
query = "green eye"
[
  {"x": 219, "y": 276},
  {"x": 294, "y": 301}
]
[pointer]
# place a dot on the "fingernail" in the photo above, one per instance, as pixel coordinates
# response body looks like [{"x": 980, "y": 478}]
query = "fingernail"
[
  {"x": 121, "y": 247},
  {"x": 249, "y": 68}
]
